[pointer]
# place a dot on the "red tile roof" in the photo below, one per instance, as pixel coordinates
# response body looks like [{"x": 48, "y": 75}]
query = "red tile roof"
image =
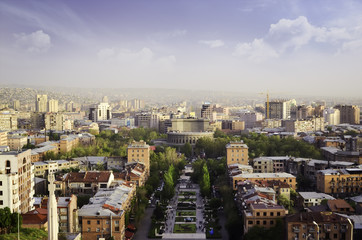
[
  {"x": 90, "y": 177},
  {"x": 34, "y": 218}
]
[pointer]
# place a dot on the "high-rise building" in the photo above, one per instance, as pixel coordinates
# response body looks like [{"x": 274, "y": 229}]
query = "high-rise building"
[
  {"x": 69, "y": 106},
  {"x": 349, "y": 114},
  {"x": 331, "y": 116},
  {"x": 139, "y": 152},
  {"x": 54, "y": 121},
  {"x": 16, "y": 105},
  {"x": 100, "y": 112},
  {"x": 206, "y": 111},
  {"x": 279, "y": 109},
  {"x": 53, "y": 105},
  {"x": 16, "y": 181},
  {"x": 41, "y": 103}
]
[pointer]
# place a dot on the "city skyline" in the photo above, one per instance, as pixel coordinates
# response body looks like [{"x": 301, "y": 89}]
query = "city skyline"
[{"x": 254, "y": 46}]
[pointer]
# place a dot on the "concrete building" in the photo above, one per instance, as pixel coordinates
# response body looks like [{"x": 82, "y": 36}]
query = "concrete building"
[
  {"x": 263, "y": 215},
  {"x": 342, "y": 181},
  {"x": 139, "y": 152},
  {"x": 41, "y": 103},
  {"x": 254, "y": 177},
  {"x": 104, "y": 216},
  {"x": 308, "y": 199},
  {"x": 190, "y": 125},
  {"x": 8, "y": 120},
  {"x": 263, "y": 165},
  {"x": 54, "y": 121},
  {"x": 308, "y": 125},
  {"x": 237, "y": 152},
  {"x": 16, "y": 142},
  {"x": 53, "y": 106},
  {"x": 250, "y": 118},
  {"x": 206, "y": 111},
  {"x": 16, "y": 181},
  {"x": 16, "y": 105},
  {"x": 317, "y": 225},
  {"x": 100, "y": 112},
  {"x": 279, "y": 109},
  {"x": 233, "y": 125},
  {"x": 349, "y": 114},
  {"x": 332, "y": 116},
  {"x": 3, "y": 138}
]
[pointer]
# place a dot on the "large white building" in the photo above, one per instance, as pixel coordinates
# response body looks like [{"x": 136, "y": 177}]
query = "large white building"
[
  {"x": 16, "y": 181},
  {"x": 331, "y": 116},
  {"x": 100, "y": 112},
  {"x": 53, "y": 106},
  {"x": 41, "y": 103}
]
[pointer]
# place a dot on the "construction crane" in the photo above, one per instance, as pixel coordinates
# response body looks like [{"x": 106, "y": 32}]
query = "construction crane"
[{"x": 267, "y": 103}]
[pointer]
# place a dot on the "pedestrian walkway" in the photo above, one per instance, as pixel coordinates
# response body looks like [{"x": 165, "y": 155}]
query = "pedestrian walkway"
[{"x": 172, "y": 214}]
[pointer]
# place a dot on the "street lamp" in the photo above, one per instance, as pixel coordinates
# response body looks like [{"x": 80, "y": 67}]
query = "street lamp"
[
  {"x": 349, "y": 220},
  {"x": 317, "y": 229}
]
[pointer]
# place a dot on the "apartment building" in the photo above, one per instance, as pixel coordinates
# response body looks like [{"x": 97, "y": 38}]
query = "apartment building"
[
  {"x": 318, "y": 225},
  {"x": 16, "y": 181},
  {"x": 254, "y": 177},
  {"x": 139, "y": 152},
  {"x": 343, "y": 181},
  {"x": 262, "y": 215},
  {"x": 8, "y": 120},
  {"x": 237, "y": 152},
  {"x": 16, "y": 142}
]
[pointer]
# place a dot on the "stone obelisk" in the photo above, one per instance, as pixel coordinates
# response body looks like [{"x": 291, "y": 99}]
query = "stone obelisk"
[{"x": 52, "y": 211}]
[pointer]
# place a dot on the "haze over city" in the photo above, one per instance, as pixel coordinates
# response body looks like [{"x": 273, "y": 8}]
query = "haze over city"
[{"x": 294, "y": 47}]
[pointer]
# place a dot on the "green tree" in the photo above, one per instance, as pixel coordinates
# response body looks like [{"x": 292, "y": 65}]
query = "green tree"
[
  {"x": 187, "y": 149},
  {"x": 205, "y": 184}
]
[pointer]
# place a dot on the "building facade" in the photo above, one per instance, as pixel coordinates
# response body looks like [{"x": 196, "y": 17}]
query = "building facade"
[
  {"x": 41, "y": 103},
  {"x": 237, "y": 152},
  {"x": 139, "y": 152}
]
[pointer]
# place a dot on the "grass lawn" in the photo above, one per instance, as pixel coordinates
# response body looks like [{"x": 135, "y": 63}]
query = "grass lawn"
[
  {"x": 27, "y": 234},
  {"x": 184, "y": 228},
  {"x": 185, "y": 213}
]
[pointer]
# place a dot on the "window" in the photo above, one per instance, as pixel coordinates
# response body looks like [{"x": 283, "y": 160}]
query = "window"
[
  {"x": 1, "y": 193},
  {"x": 116, "y": 222},
  {"x": 335, "y": 235},
  {"x": 250, "y": 222},
  {"x": 278, "y": 213},
  {"x": 264, "y": 213},
  {"x": 107, "y": 222},
  {"x": 88, "y": 229},
  {"x": 258, "y": 214},
  {"x": 258, "y": 222},
  {"x": 1, "y": 202},
  {"x": 264, "y": 222},
  {"x": 88, "y": 222},
  {"x": 98, "y": 230},
  {"x": 98, "y": 222},
  {"x": 271, "y": 214},
  {"x": 271, "y": 222},
  {"x": 116, "y": 229}
]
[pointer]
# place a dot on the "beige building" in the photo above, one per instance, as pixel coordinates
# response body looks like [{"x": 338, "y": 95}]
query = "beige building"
[
  {"x": 257, "y": 177},
  {"x": 139, "y": 152},
  {"x": 54, "y": 121},
  {"x": 3, "y": 138},
  {"x": 8, "y": 121},
  {"x": 237, "y": 152},
  {"x": 16, "y": 181},
  {"x": 41, "y": 102},
  {"x": 308, "y": 125},
  {"x": 349, "y": 114},
  {"x": 343, "y": 181},
  {"x": 53, "y": 106},
  {"x": 262, "y": 215},
  {"x": 16, "y": 142},
  {"x": 317, "y": 225}
]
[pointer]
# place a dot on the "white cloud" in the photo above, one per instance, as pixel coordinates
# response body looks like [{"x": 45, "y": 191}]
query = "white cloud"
[
  {"x": 256, "y": 51},
  {"x": 143, "y": 58},
  {"x": 212, "y": 43},
  {"x": 37, "y": 42},
  {"x": 293, "y": 34}
]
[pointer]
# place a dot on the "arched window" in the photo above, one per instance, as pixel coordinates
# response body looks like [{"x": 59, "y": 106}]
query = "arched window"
[{"x": 24, "y": 161}]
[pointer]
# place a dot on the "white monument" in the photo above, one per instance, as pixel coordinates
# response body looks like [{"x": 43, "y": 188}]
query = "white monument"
[{"x": 52, "y": 211}]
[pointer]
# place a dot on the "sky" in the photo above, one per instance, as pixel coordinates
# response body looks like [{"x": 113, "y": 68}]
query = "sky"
[{"x": 311, "y": 47}]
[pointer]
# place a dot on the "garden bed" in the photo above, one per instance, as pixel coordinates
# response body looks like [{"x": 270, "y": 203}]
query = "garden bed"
[
  {"x": 185, "y": 219},
  {"x": 184, "y": 228},
  {"x": 185, "y": 213}
]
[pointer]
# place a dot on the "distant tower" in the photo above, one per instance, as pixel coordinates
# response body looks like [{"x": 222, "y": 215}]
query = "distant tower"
[
  {"x": 53, "y": 105},
  {"x": 105, "y": 99},
  {"x": 52, "y": 211},
  {"x": 41, "y": 103}
]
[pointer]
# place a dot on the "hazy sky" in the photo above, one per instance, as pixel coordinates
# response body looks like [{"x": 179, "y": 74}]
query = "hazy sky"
[{"x": 295, "y": 46}]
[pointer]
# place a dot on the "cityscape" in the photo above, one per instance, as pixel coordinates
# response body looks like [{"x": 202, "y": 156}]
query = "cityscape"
[{"x": 124, "y": 120}]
